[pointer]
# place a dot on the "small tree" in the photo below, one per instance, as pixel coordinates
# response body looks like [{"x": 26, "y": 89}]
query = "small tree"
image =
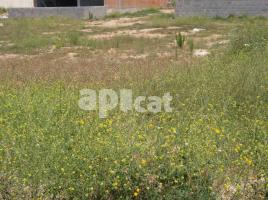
[{"x": 180, "y": 39}]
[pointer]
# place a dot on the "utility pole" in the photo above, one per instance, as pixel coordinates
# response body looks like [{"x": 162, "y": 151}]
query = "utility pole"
[{"x": 78, "y": 3}]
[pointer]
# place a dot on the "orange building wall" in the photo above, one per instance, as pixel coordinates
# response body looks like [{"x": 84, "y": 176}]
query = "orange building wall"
[{"x": 135, "y": 3}]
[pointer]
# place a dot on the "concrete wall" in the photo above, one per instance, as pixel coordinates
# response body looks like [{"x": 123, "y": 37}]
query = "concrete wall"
[
  {"x": 222, "y": 7},
  {"x": 17, "y": 3},
  {"x": 108, "y": 3},
  {"x": 72, "y": 12}
]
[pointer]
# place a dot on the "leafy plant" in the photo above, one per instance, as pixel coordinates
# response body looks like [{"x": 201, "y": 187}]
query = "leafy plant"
[{"x": 180, "y": 40}]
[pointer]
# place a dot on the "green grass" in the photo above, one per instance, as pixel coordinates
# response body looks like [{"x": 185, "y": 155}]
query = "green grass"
[
  {"x": 31, "y": 35},
  {"x": 214, "y": 141},
  {"x": 140, "y": 13}
]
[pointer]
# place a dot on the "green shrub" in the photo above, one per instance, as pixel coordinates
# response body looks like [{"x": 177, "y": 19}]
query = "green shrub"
[
  {"x": 2, "y": 11},
  {"x": 180, "y": 40}
]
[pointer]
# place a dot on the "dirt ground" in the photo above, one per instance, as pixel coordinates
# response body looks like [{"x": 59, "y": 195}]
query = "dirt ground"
[{"x": 123, "y": 47}]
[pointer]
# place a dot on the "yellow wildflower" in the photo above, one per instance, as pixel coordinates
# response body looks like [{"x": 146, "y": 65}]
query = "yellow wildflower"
[
  {"x": 248, "y": 160},
  {"x": 143, "y": 162},
  {"x": 150, "y": 126},
  {"x": 115, "y": 184},
  {"x": 82, "y": 122},
  {"x": 217, "y": 130},
  {"x": 173, "y": 130},
  {"x": 137, "y": 192}
]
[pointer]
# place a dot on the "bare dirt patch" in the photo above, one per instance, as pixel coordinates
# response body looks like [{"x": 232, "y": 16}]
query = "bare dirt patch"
[
  {"x": 87, "y": 30},
  {"x": 72, "y": 55},
  {"x": 167, "y": 11},
  {"x": 126, "y": 54},
  {"x": 173, "y": 28},
  {"x": 51, "y": 33},
  {"x": 115, "y": 23},
  {"x": 196, "y": 30},
  {"x": 163, "y": 54},
  {"x": 213, "y": 37},
  {"x": 14, "y": 56},
  {"x": 201, "y": 52},
  {"x": 210, "y": 40},
  {"x": 143, "y": 33},
  {"x": 139, "y": 56}
]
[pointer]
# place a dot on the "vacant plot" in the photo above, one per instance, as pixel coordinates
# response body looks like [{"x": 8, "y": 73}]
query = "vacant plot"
[{"x": 214, "y": 145}]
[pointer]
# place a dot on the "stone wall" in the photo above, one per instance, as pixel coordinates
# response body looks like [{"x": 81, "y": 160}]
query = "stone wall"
[{"x": 222, "y": 7}]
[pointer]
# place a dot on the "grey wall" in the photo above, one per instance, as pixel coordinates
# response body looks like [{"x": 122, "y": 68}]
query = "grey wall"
[
  {"x": 222, "y": 7},
  {"x": 72, "y": 12}
]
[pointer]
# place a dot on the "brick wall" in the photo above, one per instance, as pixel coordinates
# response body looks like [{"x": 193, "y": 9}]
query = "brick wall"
[
  {"x": 136, "y": 3},
  {"x": 222, "y": 7}
]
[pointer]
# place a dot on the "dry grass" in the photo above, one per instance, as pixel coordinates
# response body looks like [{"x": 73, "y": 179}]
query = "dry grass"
[
  {"x": 84, "y": 65},
  {"x": 119, "y": 49}
]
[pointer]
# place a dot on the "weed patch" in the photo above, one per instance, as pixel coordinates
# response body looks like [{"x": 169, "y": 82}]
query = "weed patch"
[{"x": 213, "y": 146}]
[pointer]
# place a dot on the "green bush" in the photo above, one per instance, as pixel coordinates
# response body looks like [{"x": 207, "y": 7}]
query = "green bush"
[
  {"x": 2, "y": 11},
  {"x": 180, "y": 40}
]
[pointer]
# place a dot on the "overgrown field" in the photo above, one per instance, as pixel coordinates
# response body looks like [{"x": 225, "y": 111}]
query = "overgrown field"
[{"x": 214, "y": 145}]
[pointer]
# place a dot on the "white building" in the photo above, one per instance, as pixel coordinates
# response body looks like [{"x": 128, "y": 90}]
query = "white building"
[{"x": 16, "y": 3}]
